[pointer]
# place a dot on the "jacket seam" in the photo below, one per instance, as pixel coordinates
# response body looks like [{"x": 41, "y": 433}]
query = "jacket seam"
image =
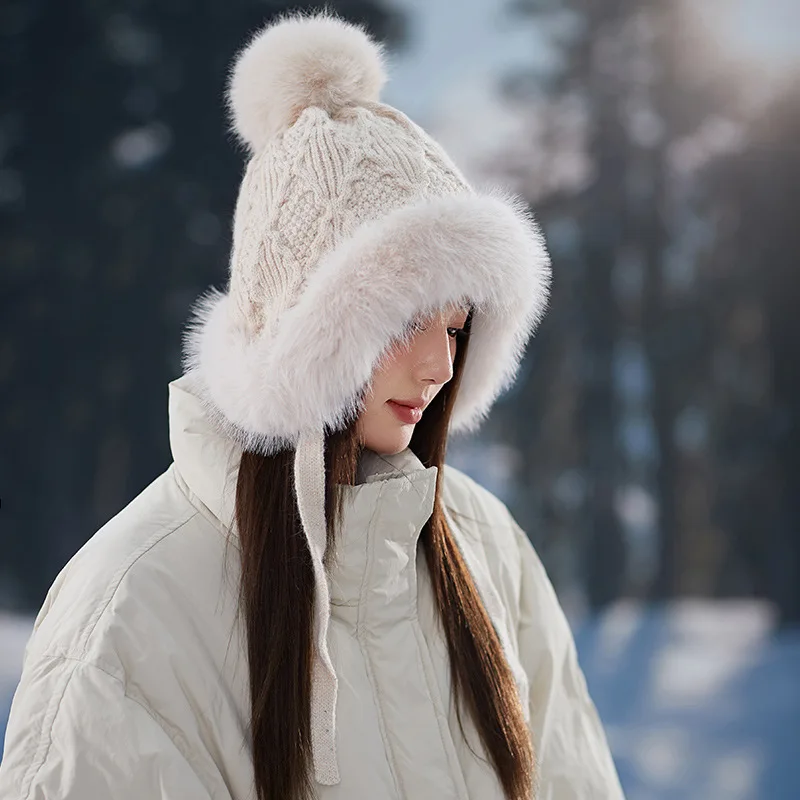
[
  {"x": 365, "y": 650},
  {"x": 120, "y": 574},
  {"x": 515, "y": 527},
  {"x": 45, "y": 735},
  {"x": 482, "y": 520},
  {"x": 441, "y": 721},
  {"x": 457, "y": 513},
  {"x": 198, "y": 505},
  {"x": 48, "y": 729},
  {"x": 437, "y": 700},
  {"x": 438, "y": 706},
  {"x": 504, "y": 632}
]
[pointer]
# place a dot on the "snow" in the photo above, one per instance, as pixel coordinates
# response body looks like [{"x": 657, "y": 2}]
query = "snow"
[{"x": 700, "y": 699}]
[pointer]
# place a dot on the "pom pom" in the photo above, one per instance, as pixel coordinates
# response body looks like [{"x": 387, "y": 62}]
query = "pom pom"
[{"x": 297, "y": 62}]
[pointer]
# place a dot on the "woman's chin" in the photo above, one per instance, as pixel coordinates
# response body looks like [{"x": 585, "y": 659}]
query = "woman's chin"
[{"x": 388, "y": 442}]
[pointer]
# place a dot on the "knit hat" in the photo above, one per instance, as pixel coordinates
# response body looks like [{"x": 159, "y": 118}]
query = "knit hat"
[{"x": 350, "y": 221}]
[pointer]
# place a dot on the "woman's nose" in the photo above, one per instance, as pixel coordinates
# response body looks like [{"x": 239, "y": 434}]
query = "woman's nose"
[{"x": 435, "y": 357}]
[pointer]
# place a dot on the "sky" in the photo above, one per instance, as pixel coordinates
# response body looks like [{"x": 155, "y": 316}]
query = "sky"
[{"x": 446, "y": 52}]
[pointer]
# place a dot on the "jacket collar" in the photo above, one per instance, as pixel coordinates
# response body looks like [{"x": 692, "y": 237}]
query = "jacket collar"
[
  {"x": 208, "y": 462},
  {"x": 399, "y": 484}
]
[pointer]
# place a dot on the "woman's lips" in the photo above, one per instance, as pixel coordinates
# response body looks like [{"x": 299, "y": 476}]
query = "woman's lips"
[{"x": 405, "y": 414}]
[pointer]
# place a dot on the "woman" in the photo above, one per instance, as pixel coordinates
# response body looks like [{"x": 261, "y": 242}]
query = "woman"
[{"x": 308, "y": 602}]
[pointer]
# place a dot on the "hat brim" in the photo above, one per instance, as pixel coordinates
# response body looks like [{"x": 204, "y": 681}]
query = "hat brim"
[{"x": 306, "y": 371}]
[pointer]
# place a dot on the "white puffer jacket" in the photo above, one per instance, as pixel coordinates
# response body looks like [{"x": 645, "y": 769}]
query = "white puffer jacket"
[{"x": 134, "y": 683}]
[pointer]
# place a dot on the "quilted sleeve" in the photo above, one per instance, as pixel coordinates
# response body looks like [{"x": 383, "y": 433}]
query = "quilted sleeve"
[
  {"x": 574, "y": 760},
  {"x": 74, "y": 734}
]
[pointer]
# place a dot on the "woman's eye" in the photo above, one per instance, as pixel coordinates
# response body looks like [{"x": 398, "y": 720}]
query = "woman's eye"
[{"x": 417, "y": 326}]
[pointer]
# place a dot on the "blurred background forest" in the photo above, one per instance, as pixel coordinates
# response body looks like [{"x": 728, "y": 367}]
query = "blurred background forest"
[{"x": 650, "y": 447}]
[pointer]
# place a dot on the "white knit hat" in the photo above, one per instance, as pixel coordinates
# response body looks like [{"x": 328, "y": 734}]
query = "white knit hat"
[{"x": 350, "y": 220}]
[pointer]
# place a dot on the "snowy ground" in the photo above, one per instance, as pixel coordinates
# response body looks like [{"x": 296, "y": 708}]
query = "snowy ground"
[{"x": 699, "y": 700}]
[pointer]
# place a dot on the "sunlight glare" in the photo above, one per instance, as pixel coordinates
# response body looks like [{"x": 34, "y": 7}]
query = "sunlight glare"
[{"x": 762, "y": 34}]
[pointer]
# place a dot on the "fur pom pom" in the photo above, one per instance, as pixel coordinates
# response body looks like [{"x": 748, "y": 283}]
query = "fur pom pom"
[{"x": 297, "y": 62}]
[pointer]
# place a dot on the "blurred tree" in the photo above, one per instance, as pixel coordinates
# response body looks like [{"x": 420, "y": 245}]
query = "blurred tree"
[
  {"x": 117, "y": 184},
  {"x": 673, "y": 400},
  {"x": 763, "y": 436}
]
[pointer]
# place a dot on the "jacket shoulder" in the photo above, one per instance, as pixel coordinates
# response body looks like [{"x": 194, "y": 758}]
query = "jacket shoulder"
[
  {"x": 475, "y": 505},
  {"x": 135, "y": 632},
  {"x": 121, "y": 576},
  {"x": 486, "y": 526},
  {"x": 73, "y": 732}
]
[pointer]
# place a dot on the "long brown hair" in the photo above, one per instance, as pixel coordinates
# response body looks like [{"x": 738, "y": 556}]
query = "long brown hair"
[{"x": 276, "y": 597}]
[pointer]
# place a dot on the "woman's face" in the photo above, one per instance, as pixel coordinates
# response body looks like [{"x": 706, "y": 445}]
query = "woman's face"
[{"x": 411, "y": 374}]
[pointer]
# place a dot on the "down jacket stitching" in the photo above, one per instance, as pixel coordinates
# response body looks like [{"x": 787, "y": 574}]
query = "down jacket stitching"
[
  {"x": 53, "y": 708},
  {"x": 365, "y": 650},
  {"x": 122, "y": 571},
  {"x": 45, "y": 737},
  {"x": 437, "y": 702},
  {"x": 517, "y": 531},
  {"x": 196, "y": 503},
  {"x": 48, "y": 728}
]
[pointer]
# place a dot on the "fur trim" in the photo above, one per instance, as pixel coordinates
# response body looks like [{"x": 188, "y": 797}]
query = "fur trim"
[
  {"x": 297, "y": 62},
  {"x": 312, "y": 372}
]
